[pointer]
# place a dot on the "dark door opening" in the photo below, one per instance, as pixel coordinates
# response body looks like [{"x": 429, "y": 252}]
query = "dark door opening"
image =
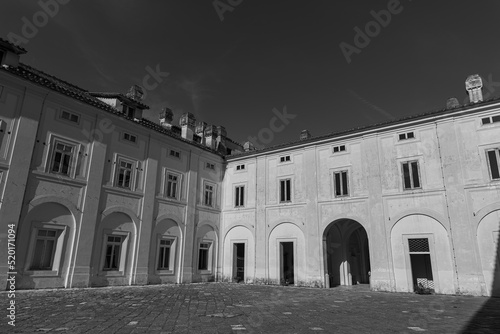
[
  {"x": 286, "y": 263},
  {"x": 422, "y": 272},
  {"x": 239, "y": 262}
]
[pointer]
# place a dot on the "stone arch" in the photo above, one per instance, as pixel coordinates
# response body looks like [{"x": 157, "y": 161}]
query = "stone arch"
[
  {"x": 346, "y": 256},
  {"x": 237, "y": 235},
  {"x": 488, "y": 242},
  {"x": 439, "y": 260},
  {"x": 205, "y": 256},
  {"x": 419, "y": 211},
  {"x": 287, "y": 254},
  {"x": 47, "y": 213},
  {"x": 168, "y": 229},
  {"x": 121, "y": 222}
]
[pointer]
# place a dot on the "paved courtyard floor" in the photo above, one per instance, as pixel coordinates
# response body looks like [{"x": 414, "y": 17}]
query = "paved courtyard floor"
[{"x": 238, "y": 308}]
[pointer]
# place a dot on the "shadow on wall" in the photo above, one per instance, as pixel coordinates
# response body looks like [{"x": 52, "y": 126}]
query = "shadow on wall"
[{"x": 487, "y": 319}]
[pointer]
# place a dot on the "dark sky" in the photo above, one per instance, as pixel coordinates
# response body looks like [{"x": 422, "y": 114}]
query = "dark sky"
[{"x": 268, "y": 54}]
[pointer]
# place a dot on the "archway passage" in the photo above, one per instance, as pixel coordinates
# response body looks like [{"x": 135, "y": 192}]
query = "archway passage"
[{"x": 346, "y": 253}]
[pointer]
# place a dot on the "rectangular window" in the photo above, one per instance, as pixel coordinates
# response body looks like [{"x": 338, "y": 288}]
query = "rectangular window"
[
  {"x": 66, "y": 115},
  {"x": 62, "y": 157},
  {"x": 175, "y": 154},
  {"x": 124, "y": 174},
  {"x": 340, "y": 148},
  {"x": 491, "y": 119},
  {"x": 494, "y": 162},
  {"x": 129, "y": 137},
  {"x": 209, "y": 195},
  {"x": 407, "y": 135},
  {"x": 240, "y": 167},
  {"x": 129, "y": 111},
  {"x": 45, "y": 246},
  {"x": 164, "y": 254},
  {"x": 172, "y": 185},
  {"x": 341, "y": 184},
  {"x": 285, "y": 158},
  {"x": 208, "y": 165},
  {"x": 203, "y": 256},
  {"x": 285, "y": 190},
  {"x": 239, "y": 196},
  {"x": 113, "y": 249},
  {"x": 411, "y": 178}
]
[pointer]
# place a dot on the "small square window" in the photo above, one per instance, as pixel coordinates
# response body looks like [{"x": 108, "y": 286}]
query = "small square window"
[
  {"x": 240, "y": 167},
  {"x": 407, "y": 135},
  {"x": 340, "y": 148},
  {"x": 209, "y": 165},
  {"x": 175, "y": 154},
  {"x": 129, "y": 137},
  {"x": 285, "y": 158},
  {"x": 66, "y": 115},
  {"x": 490, "y": 119}
]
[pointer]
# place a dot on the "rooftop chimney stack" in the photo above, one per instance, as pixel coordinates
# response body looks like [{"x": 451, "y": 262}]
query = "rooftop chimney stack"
[
  {"x": 474, "y": 86},
  {"x": 10, "y": 53},
  {"x": 200, "y": 131},
  {"x": 452, "y": 103},
  {"x": 305, "y": 134},
  {"x": 211, "y": 136},
  {"x": 248, "y": 146},
  {"x": 221, "y": 139},
  {"x": 187, "y": 123},
  {"x": 135, "y": 93},
  {"x": 166, "y": 116}
]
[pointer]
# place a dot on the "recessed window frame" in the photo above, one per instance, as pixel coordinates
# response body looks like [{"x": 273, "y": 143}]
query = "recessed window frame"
[
  {"x": 52, "y": 154},
  {"x": 122, "y": 259},
  {"x": 205, "y": 256},
  {"x": 209, "y": 166},
  {"x": 285, "y": 189},
  {"x": 341, "y": 183},
  {"x": 239, "y": 196},
  {"x": 71, "y": 117},
  {"x": 285, "y": 159},
  {"x": 129, "y": 138},
  {"x": 117, "y": 171},
  {"x": 167, "y": 192},
  {"x": 58, "y": 253},
  {"x": 174, "y": 153},
  {"x": 240, "y": 168},
  {"x": 493, "y": 162},
  {"x": 406, "y": 136},
  {"x": 490, "y": 120},
  {"x": 339, "y": 149},
  {"x": 170, "y": 270},
  {"x": 209, "y": 194},
  {"x": 411, "y": 175}
]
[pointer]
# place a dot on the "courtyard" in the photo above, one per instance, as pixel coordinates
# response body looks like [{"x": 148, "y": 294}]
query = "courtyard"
[{"x": 230, "y": 308}]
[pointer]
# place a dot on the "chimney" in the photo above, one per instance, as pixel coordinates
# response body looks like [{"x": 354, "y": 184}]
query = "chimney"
[
  {"x": 200, "y": 131},
  {"x": 187, "y": 122},
  {"x": 135, "y": 93},
  {"x": 166, "y": 116},
  {"x": 474, "y": 86},
  {"x": 210, "y": 136},
  {"x": 305, "y": 134},
  {"x": 221, "y": 139},
  {"x": 248, "y": 146},
  {"x": 452, "y": 103}
]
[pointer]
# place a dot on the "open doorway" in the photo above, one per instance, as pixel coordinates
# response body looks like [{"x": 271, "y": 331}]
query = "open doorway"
[
  {"x": 347, "y": 257},
  {"x": 239, "y": 262},
  {"x": 286, "y": 263}
]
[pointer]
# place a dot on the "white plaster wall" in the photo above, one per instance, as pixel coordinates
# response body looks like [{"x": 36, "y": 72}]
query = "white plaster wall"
[{"x": 441, "y": 259}]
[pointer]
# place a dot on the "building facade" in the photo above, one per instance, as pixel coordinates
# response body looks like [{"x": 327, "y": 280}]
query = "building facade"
[{"x": 98, "y": 196}]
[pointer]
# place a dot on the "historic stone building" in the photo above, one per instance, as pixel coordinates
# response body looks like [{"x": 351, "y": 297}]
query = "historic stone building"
[{"x": 101, "y": 196}]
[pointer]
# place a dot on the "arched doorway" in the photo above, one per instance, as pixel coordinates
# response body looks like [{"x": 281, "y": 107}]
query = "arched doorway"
[{"x": 347, "y": 258}]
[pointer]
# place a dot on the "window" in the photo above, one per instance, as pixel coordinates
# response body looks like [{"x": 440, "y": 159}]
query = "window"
[
  {"x": 340, "y": 148},
  {"x": 494, "y": 162},
  {"x": 172, "y": 185},
  {"x": 129, "y": 137},
  {"x": 45, "y": 246},
  {"x": 113, "y": 252},
  {"x": 208, "y": 165},
  {"x": 491, "y": 119},
  {"x": 175, "y": 154},
  {"x": 62, "y": 158},
  {"x": 239, "y": 199},
  {"x": 164, "y": 252},
  {"x": 124, "y": 174},
  {"x": 209, "y": 194},
  {"x": 341, "y": 184},
  {"x": 411, "y": 178},
  {"x": 66, "y": 115},
  {"x": 285, "y": 158},
  {"x": 240, "y": 167},
  {"x": 407, "y": 135},
  {"x": 129, "y": 111},
  {"x": 285, "y": 190},
  {"x": 204, "y": 256}
]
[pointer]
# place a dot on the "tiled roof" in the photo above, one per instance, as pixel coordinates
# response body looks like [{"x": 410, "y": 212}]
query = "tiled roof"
[
  {"x": 353, "y": 131},
  {"x": 43, "y": 79},
  {"x": 118, "y": 96},
  {"x": 14, "y": 48}
]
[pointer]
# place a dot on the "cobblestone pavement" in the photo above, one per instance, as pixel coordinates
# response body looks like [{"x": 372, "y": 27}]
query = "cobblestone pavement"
[{"x": 232, "y": 308}]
